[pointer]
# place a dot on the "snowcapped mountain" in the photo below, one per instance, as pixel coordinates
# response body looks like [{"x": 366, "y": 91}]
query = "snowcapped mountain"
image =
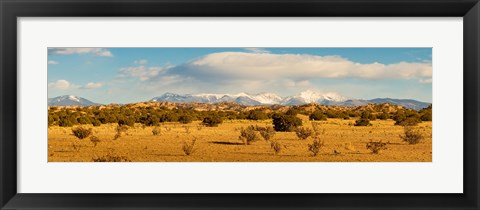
[
  {"x": 69, "y": 100},
  {"x": 254, "y": 99},
  {"x": 304, "y": 97},
  {"x": 240, "y": 98}
]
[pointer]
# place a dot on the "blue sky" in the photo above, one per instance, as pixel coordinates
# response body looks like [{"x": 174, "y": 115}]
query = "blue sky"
[{"x": 127, "y": 75}]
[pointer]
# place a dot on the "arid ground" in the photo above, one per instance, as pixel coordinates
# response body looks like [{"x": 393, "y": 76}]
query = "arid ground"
[{"x": 343, "y": 142}]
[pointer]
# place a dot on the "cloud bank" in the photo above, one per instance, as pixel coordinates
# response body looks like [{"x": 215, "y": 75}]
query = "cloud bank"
[
  {"x": 239, "y": 65},
  {"x": 67, "y": 85},
  {"x": 80, "y": 50}
]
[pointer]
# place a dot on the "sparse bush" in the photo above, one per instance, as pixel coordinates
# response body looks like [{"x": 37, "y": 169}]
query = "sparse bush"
[
  {"x": 362, "y": 122},
  {"x": 156, "y": 131},
  {"x": 376, "y": 146},
  {"x": 189, "y": 148},
  {"x": 248, "y": 135},
  {"x": 317, "y": 115},
  {"x": 276, "y": 147},
  {"x": 212, "y": 121},
  {"x": 120, "y": 129},
  {"x": 95, "y": 140},
  {"x": 411, "y": 135},
  {"x": 303, "y": 133},
  {"x": 316, "y": 146},
  {"x": 187, "y": 129},
  {"x": 283, "y": 122},
  {"x": 111, "y": 158},
  {"x": 81, "y": 132},
  {"x": 266, "y": 132}
]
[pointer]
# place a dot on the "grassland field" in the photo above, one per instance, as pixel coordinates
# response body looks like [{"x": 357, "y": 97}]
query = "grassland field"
[{"x": 343, "y": 143}]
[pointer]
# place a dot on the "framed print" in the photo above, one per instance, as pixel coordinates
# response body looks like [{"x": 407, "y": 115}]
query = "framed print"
[{"x": 239, "y": 105}]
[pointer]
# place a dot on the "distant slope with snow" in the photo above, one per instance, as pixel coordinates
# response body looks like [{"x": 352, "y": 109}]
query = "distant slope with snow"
[{"x": 69, "y": 100}]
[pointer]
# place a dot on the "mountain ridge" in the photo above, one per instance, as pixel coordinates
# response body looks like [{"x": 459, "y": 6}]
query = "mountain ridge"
[{"x": 304, "y": 97}]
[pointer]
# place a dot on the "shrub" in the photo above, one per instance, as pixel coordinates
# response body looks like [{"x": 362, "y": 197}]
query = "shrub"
[
  {"x": 266, "y": 132},
  {"x": 384, "y": 116},
  {"x": 283, "y": 122},
  {"x": 156, "y": 131},
  {"x": 185, "y": 119},
  {"x": 303, "y": 133},
  {"x": 212, "y": 121},
  {"x": 317, "y": 115},
  {"x": 81, "y": 132},
  {"x": 256, "y": 115},
  {"x": 96, "y": 122},
  {"x": 95, "y": 140},
  {"x": 120, "y": 129},
  {"x": 316, "y": 146},
  {"x": 409, "y": 121},
  {"x": 276, "y": 147},
  {"x": 411, "y": 135},
  {"x": 111, "y": 158},
  {"x": 189, "y": 149},
  {"x": 248, "y": 135},
  {"x": 376, "y": 146},
  {"x": 362, "y": 122}
]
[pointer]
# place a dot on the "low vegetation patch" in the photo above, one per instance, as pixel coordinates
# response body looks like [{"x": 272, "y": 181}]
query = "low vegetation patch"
[
  {"x": 81, "y": 132},
  {"x": 286, "y": 122},
  {"x": 303, "y": 133},
  {"x": 376, "y": 146},
  {"x": 276, "y": 147},
  {"x": 248, "y": 135},
  {"x": 316, "y": 146},
  {"x": 95, "y": 140},
  {"x": 362, "y": 122},
  {"x": 189, "y": 148},
  {"x": 411, "y": 135}
]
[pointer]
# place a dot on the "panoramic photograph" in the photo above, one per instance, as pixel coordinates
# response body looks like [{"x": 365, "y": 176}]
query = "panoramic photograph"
[{"x": 239, "y": 104}]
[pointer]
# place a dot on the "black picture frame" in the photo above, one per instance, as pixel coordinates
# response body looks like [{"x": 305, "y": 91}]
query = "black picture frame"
[{"x": 11, "y": 9}]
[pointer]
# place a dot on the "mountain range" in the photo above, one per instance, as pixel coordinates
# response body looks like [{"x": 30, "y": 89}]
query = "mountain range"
[
  {"x": 273, "y": 99},
  {"x": 256, "y": 99}
]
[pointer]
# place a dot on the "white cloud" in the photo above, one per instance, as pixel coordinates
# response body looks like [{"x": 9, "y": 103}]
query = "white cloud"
[
  {"x": 425, "y": 81},
  {"x": 141, "y": 62},
  {"x": 92, "y": 85},
  {"x": 299, "y": 67},
  {"x": 61, "y": 84},
  {"x": 80, "y": 50},
  {"x": 257, "y": 50},
  {"x": 52, "y": 62},
  {"x": 141, "y": 72},
  {"x": 66, "y": 85}
]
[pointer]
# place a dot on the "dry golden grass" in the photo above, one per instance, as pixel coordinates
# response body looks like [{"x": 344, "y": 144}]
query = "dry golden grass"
[{"x": 343, "y": 143}]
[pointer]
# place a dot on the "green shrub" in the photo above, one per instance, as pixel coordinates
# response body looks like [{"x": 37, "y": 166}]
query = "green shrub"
[
  {"x": 212, "y": 121},
  {"x": 96, "y": 122},
  {"x": 411, "y": 135},
  {"x": 303, "y": 133},
  {"x": 282, "y": 122},
  {"x": 362, "y": 122},
  {"x": 317, "y": 115},
  {"x": 81, "y": 132},
  {"x": 256, "y": 115},
  {"x": 185, "y": 119},
  {"x": 409, "y": 121}
]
